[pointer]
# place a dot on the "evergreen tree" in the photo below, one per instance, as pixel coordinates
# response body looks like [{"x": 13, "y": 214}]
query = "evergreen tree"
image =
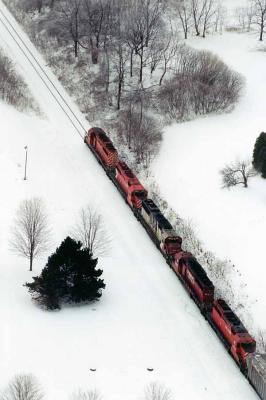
[
  {"x": 70, "y": 275},
  {"x": 259, "y": 154}
]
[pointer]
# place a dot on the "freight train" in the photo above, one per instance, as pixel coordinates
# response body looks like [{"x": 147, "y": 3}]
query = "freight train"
[{"x": 237, "y": 340}]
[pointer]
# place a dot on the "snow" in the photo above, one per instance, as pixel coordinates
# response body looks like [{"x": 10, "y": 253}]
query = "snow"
[
  {"x": 144, "y": 319},
  {"x": 231, "y": 223}
]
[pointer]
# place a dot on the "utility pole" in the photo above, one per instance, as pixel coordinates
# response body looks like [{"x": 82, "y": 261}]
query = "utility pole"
[{"x": 26, "y": 159}]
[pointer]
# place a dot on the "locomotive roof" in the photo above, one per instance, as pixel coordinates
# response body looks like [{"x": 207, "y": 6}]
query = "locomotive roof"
[
  {"x": 151, "y": 207},
  {"x": 103, "y": 136},
  {"x": 110, "y": 146},
  {"x": 128, "y": 172},
  {"x": 200, "y": 274},
  {"x": 162, "y": 221},
  {"x": 231, "y": 317}
]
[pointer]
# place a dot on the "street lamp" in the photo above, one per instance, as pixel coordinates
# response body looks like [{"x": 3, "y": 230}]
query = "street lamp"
[{"x": 26, "y": 159}]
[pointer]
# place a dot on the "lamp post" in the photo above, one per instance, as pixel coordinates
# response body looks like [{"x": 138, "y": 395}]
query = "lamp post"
[{"x": 26, "y": 159}]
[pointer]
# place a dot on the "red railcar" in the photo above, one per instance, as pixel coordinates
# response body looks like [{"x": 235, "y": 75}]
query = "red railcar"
[
  {"x": 102, "y": 146},
  {"x": 195, "y": 279},
  {"x": 130, "y": 185},
  {"x": 235, "y": 336}
]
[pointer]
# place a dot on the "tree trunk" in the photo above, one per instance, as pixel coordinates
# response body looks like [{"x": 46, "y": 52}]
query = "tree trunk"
[
  {"x": 261, "y": 32},
  {"x": 31, "y": 261},
  {"x": 131, "y": 63},
  {"x": 76, "y": 47},
  {"x": 107, "y": 71},
  {"x": 141, "y": 65},
  {"x": 119, "y": 93},
  {"x": 164, "y": 72}
]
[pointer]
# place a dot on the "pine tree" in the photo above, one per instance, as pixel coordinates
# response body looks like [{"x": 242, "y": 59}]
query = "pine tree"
[
  {"x": 259, "y": 154},
  {"x": 70, "y": 275}
]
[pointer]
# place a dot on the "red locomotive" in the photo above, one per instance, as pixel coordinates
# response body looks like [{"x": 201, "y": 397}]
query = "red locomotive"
[
  {"x": 234, "y": 335},
  {"x": 130, "y": 185},
  {"x": 195, "y": 279},
  {"x": 102, "y": 147}
]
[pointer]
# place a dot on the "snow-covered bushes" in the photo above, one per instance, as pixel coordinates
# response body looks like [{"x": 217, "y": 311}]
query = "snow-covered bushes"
[
  {"x": 12, "y": 88},
  {"x": 201, "y": 84}
]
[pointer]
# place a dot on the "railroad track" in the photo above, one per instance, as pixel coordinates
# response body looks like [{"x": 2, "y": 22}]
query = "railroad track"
[{"x": 43, "y": 75}]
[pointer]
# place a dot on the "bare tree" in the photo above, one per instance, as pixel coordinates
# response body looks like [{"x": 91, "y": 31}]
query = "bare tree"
[
  {"x": 30, "y": 233},
  {"x": 259, "y": 7},
  {"x": 209, "y": 11},
  {"x": 237, "y": 173},
  {"x": 23, "y": 387},
  {"x": 68, "y": 16},
  {"x": 156, "y": 391},
  {"x": 86, "y": 395},
  {"x": 184, "y": 13},
  {"x": 168, "y": 53},
  {"x": 143, "y": 26},
  {"x": 197, "y": 14},
  {"x": 122, "y": 55},
  {"x": 91, "y": 232},
  {"x": 219, "y": 18}
]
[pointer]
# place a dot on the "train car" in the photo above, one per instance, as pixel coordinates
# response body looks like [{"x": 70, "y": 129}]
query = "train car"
[
  {"x": 233, "y": 333},
  {"x": 256, "y": 364},
  {"x": 195, "y": 279},
  {"x": 165, "y": 235},
  {"x": 130, "y": 186},
  {"x": 102, "y": 147}
]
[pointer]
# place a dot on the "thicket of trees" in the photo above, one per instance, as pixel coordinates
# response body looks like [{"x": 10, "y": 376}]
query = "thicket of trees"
[
  {"x": 252, "y": 15},
  {"x": 13, "y": 90},
  {"x": 198, "y": 17},
  {"x": 123, "y": 59},
  {"x": 70, "y": 276},
  {"x": 259, "y": 154}
]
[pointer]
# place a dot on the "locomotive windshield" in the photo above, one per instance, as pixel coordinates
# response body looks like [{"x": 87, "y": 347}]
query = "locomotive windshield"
[
  {"x": 249, "y": 347},
  {"x": 173, "y": 240},
  {"x": 141, "y": 194}
]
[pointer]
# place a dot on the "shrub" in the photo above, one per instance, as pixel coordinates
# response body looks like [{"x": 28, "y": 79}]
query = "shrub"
[{"x": 202, "y": 84}]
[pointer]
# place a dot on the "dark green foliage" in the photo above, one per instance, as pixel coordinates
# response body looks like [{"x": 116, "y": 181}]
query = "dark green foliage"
[
  {"x": 259, "y": 154},
  {"x": 70, "y": 275}
]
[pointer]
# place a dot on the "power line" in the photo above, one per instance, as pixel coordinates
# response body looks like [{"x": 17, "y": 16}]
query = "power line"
[{"x": 43, "y": 71}]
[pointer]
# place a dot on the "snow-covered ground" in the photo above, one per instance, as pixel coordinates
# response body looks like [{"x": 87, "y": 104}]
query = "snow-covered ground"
[
  {"x": 230, "y": 222},
  {"x": 144, "y": 319}
]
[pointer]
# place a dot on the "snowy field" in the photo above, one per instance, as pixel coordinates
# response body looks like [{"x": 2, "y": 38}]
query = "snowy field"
[
  {"x": 230, "y": 223},
  {"x": 144, "y": 319}
]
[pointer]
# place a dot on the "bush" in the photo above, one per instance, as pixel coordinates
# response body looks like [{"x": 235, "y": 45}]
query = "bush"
[
  {"x": 202, "y": 84},
  {"x": 70, "y": 275},
  {"x": 12, "y": 88}
]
